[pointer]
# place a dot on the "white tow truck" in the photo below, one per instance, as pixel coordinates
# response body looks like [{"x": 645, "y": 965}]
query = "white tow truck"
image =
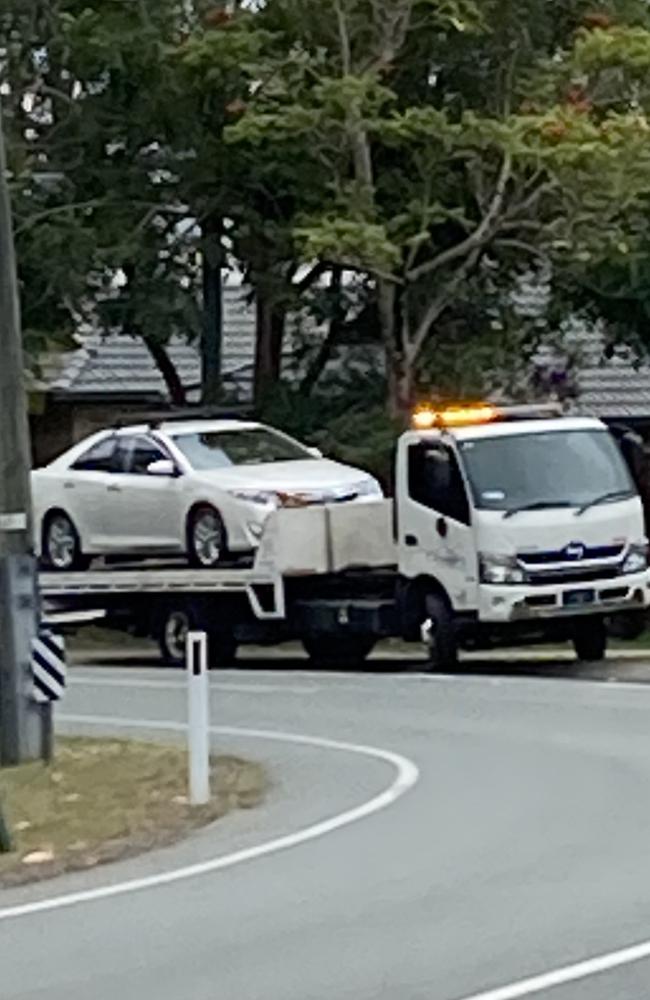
[{"x": 509, "y": 526}]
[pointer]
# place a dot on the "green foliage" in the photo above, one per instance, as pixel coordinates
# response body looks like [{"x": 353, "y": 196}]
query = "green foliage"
[
  {"x": 437, "y": 148},
  {"x": 346, "y": 419}
]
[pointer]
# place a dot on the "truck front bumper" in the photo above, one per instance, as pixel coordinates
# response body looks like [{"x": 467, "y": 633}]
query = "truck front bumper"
[{"x": 502, "y": 604}]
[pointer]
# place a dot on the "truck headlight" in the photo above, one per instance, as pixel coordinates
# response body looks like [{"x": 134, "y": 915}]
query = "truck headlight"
[
  {"x": 636, "y": 561},
  {"x": 500, "y": 570}
]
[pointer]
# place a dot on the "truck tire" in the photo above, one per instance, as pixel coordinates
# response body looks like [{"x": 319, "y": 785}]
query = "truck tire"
[
  {"x": 627, "y": 625},
  {"x": 328, "y": 652},
  {"x": 171, "y": 634},
  {"x": 590, "y": 640},
  {"x": 441, "y": 635}
]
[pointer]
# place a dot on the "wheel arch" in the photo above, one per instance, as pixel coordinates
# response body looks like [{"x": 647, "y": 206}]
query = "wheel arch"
[{"x": 411, "y": 598}]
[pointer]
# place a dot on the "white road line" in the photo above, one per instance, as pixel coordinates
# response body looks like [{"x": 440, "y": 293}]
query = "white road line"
[
  {"x": 182, "y": 685},
  {"x": 568, "y": 974},
  {"x": 407, "y": 776}
]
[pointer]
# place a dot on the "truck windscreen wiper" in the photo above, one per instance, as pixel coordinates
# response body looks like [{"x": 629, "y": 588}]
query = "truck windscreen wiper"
[
  {"x": 538, "y": 505},
  {"x": 606, "y": 498}
]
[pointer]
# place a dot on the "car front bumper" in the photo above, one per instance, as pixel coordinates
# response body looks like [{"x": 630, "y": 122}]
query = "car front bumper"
[{"x": 502, "y": 604}]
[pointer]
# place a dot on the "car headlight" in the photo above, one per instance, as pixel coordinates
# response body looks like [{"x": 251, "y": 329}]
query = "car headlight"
[
  {"x": 369, "y": 488},
  {"x": 636, "y": 561},
  {"x": 265, "y": 498},
  {"x": 500, "y": 570}
]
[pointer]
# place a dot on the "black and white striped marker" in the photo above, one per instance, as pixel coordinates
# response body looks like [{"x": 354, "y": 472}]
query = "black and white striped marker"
[{"x": 48, "y": 666}]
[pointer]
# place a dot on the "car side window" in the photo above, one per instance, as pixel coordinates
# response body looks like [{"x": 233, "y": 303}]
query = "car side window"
[
  {"x": 122, "y": 456},
  {"x": 99, "y": 458},
  {"x": 435, "y": 481},
  {"x": 144, "y": 452}
]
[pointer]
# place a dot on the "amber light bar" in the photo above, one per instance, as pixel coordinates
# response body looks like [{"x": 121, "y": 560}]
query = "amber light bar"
[{"x": 427, "y": 417}]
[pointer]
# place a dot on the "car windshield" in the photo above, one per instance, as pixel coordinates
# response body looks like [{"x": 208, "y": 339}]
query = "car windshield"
[
  {"x": 553, "y": 468},
  {"x": 254, "y": 446}
]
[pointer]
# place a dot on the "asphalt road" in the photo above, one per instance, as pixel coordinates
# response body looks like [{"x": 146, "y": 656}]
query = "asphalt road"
[{"x": 522, "y": 849}]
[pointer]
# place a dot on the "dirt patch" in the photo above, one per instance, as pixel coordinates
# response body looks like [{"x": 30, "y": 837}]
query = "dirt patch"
[{"x": 102, "y": 800}]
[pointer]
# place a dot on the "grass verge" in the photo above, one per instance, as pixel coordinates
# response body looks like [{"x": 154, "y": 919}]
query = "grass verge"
[{"x": 102, "y": 800}]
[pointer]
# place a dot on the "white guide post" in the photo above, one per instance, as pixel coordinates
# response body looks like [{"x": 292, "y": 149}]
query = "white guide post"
[{"x": 198, "y": 721}]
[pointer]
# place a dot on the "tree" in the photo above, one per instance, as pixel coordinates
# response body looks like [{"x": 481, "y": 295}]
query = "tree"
[
  {"x": 97, "y": 199},
  {"x": 610, "y": 279},
  {"x": 452, "y": 149}
]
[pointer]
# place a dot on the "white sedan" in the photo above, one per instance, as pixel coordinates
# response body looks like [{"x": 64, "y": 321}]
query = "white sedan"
[{"x": 203, "y": 488}]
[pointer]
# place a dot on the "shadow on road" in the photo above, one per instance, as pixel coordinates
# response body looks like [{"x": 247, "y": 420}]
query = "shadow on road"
[{"x": 539, "y": 664}]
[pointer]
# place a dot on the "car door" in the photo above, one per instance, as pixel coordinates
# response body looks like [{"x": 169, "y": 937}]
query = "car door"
[
  {"x": 144, "y": 511},
  {"x": 82, "y": 490},
  {"x": 436, "y": 537}
]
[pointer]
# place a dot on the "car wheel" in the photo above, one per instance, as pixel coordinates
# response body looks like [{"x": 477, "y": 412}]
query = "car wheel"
[
  {"x": 590, "y": 640},
  {"x": 206, "y": 537},
  {"x": 337, "y": 653},
  {"x": 174, "y": 624},
  {"x": 440, "y": 635},
  {"x": 61, "y": 546}
]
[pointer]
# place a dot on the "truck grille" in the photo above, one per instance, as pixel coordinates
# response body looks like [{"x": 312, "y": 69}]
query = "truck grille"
[
  {"x": 573, "y": 574},
  {"x": 561, "y": 555}
]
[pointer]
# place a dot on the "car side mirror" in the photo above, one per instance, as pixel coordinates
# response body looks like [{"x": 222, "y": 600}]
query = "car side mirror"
[
  {"x": 163, "y": 467},
  {"x": 315, "y": 452}
]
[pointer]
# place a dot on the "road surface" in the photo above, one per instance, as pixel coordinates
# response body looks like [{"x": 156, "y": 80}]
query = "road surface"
[{"x": 449, "y": 838}]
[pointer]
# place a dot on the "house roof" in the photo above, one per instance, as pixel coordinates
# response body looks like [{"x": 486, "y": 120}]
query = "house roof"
[
  {"x": 614, "y": 387},
  {"x": 615, "y": 391},
  {"x": 118, "y": 366}
]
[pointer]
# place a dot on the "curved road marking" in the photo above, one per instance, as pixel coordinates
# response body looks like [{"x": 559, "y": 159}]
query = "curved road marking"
[
  {"x": 407, "y": 776},
  {"x": 80, "y": 681},
  {"x": 568, "y": 974}
]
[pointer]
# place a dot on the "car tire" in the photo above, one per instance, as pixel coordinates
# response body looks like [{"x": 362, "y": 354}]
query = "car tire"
[
  {"x": 337, "y": 653},
  {"x": 590, "y": 640},
  {"x": 440, "y": 635},
  {"x": 206, "y": 537},
  {"x": 171, "y": 629},
  {"x": 61, "y": 545}
]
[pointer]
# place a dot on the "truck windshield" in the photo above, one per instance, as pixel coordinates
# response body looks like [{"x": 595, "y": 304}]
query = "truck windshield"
[{"x": 553, "y": 468}]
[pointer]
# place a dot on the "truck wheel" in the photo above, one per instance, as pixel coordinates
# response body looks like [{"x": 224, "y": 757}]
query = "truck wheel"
[
  {"x": 590, "y": 640},
  {"x": 627, "y": 625},
  {"x": 440, "y": 635},
  {"x": 335, "y": 653},
  {"x": 171, "y": 633}
]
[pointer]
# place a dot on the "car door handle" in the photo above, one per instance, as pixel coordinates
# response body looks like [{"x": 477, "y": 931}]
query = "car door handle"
[
  {"x": 411, "y": 541},
  {"x": 114, "y": 489},
  {"x": 68, "y": 485}
]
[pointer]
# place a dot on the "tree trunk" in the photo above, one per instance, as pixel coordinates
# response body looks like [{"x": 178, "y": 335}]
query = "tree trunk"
[
  {"x": 211, "y": 345},
  {"x": 156, "y": 348},
  {"x": 326, "y": 349},
  {"x": 269, "y": 338},
  {"x": 167, "y": 369},
  {"x": 399, "y": 368},
  {"x": 401, "y": 388}
]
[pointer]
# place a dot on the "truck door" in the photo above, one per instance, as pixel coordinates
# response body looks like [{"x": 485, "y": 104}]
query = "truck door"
[{"x": 434, "y": 521}]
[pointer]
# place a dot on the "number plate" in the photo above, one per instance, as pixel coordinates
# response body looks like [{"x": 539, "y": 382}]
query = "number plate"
[{"x": 576, "y": 598}]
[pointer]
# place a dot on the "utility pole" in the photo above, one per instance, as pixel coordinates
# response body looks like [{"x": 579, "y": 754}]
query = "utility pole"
[{"x": 20, "y": 718}]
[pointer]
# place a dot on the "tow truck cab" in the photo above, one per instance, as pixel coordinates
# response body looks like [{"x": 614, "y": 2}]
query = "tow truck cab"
[{"x": 517, "y": 524}]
